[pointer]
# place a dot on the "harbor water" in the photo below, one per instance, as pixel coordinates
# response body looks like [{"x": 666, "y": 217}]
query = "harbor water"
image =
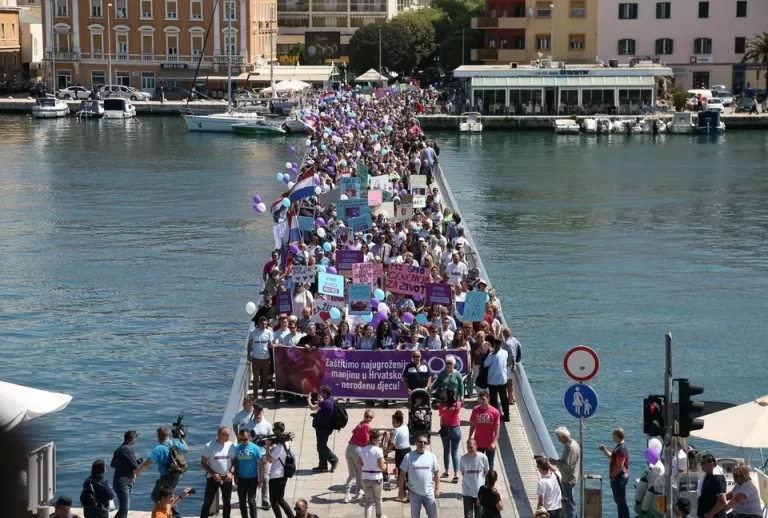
[{"x": 129, "y": 250}]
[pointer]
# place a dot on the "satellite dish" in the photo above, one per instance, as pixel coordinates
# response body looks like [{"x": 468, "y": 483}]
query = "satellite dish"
[{"x": 530, "y": 11}]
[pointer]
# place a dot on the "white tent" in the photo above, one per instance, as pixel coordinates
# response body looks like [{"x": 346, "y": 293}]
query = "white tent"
[
  {"x": 19, "y": 403},
  {"x": 370, "y": 77},
  {"x": 291, "y": 85},
  {"x": 743, "y": 426}
]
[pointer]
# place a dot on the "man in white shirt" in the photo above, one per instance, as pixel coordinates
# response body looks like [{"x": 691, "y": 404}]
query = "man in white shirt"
[
  {"x": 282, "y": 331},
  {"x": 423, "y": 479},
  {"x": 473, "y": 467},
  {"x": 456, "y": 270},
  {"x": 548, "y": 490},
  {"x": 243, "y": 416},
  {"x": 217, "y": 463},
  {"x": 447, "y": 255},
  {"x": 293, "y": 336},
  {"x": 260, "y": 342},
  {"x": 260, "y": 428}
]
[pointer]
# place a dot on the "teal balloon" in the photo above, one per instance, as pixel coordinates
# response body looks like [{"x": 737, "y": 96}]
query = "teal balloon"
[
  {"x": 421, "y": 319},
  {"x": 279, "y": 177},
  {"x": 384, "y": 151},
  {"x": 321, "y": 268},
  {"x": 487, "y": 298},
  {"x": 323, "y": 147},
  {"x": 379, "y": 294},
  {"x": 335, "y": 313},
  {"x": 327, "y": 247},
  {"x": 343, "y": 163},
  {"x": 286, "y": 202},
  {"x": 367, "y": 318}
]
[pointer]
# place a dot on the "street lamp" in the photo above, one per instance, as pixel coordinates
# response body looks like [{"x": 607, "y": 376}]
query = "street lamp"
[
  {"x": 109, "y": 43},
  {"x": 551, "y": 30},
  {"x": 54, "y": 80}
]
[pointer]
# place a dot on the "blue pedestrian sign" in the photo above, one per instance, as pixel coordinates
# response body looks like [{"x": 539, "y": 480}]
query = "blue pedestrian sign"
[{"x": 580, "y": 401}]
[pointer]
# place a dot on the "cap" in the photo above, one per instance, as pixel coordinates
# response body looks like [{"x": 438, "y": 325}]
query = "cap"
[
  {"x": 482, "y": 281},
  {"x": 63, "y": 501}
]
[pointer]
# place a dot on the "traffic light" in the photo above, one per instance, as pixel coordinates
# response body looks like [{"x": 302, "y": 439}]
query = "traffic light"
[
  {"x": 688, "y": 409},
  {"x": 653, "y": 416}
]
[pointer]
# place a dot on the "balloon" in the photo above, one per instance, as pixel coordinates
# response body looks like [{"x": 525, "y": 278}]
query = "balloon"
[
  {"x": 378, "y": 293},
  {"x": 318, "y": 190},
  {"x": 323, "y": 147},
  {"x": 250, "y": 308},
  {"x": 367, "y": 318},
  {"x": 308, "y": 142},
  {"x": 257, "y": 199},
  {"x": 343, "y": 163},
  {"x": 294, "y": 249},
  {"x": 651, "y": 456},
  {"x": 287, "y": 165},
  {"x": 256, "y": 208},
  {"x": 655, "y": 444},
  {"x": 421, "y": 319},
  {"x": 487, "y": 298},
  {"x": 317, "y": 180},
  {"x": 294, "y": 171},
  {"x": 286, "y": 179},
  {"x": 343, "y": 197},
  {"x": 384, "y": 152},
  {"x": 279, "y": 177},
  {"x": 320, "y": 222},
  {"x": 332, "y": 270},
  {"x": 294, "y": 165},
  {"x": 321, "y": 232},
  {"x": 291, "y": 149},
  {"x": 375, "y": 302},
  {"x": 262, "y": 207},
  {"x": 290, "y": 185},
  {"x": 320, "y": 267},
  {"x": 383, "y": 308},
  {"x": 327, "y": 247},
  {"x": 329, "y": 168},
  {"x": 335, "y": 313},
  {"x": 408, "y": 318},
  {"x": 286, "y": 202},
  {"x": 417, "y": 298}
]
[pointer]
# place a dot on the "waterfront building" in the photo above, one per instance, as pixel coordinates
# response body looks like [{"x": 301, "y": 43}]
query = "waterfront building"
[
  {"x": 31, "y": 40},
  {"x": 703, "y": 41},
  {"x": 10, "y": 45},
  {"x": 501, "y": 90},
  {"x": 149, "y": 43},
  {"x": 522, "y": 31}
]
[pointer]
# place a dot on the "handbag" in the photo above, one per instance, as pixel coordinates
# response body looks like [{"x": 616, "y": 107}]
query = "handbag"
[{"x": 482, "y": 378}]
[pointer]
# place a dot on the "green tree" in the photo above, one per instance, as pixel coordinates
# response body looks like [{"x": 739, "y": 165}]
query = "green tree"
[
  {"x": 422, "y": 31},
  {"x": 396, "y": 44},
  {"x": 451, "y": 47},
  {"x": 680, "y": 98},
  {"x": 757, "y": 52}
]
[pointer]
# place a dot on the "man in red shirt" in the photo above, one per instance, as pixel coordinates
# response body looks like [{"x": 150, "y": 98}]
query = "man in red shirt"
[
  {"x": 484, "y": 425},
  {"x": 275, "y": 262},
  {"x": 619, "y": 471}
]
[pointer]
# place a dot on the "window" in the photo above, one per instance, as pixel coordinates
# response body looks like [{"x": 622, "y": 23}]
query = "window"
[
  {"x": 543, "y": 10},
  {"x": 230, "y": 10},
  {"x": 98, "y": 78},
  {"x": 2, "y": 31},
  {"x": 701, "y": 80},
  {"x": 627, "y": 11},
  {"x": 97, "y": 45},
  {"x": 578, "y": 9},
  {"x": 664, "y": 46},
  {"x": 542, "y": 41},
  {"x": 123, "y": 78},
  {"x": 518, "y": 42},
  {"x": 147, "y": 46},
  {"x": 518, "y": 11},
  {"x": 95, "y": 8},
  {"x": 121, "y": 9},
  {"x": 171, "y": 10},
  {"x": 147, "y": 80},
  {"x": 663, "y": 10},
  {"x": 197, "y": 44},
  {"x": 741, "y": 9},
  {"x": 13, "y": 32},
  {"x": 64, "y": 78},
  {"x": 627, "y": 47},
  {"x": 196, "y": 9},
  {"x": 62, "y": 8},
  {"x": 741, "y": 45},
  {"x": 172, "y": 47},
  {"x": 230, "y": 44},
  {"x": 146, "y": 9},
  {"x": 703, "y": 9},
  {"x": 576, "y": 42},
  {"x": 702, "y": 46},
  {"x": 122, "y": 45}
]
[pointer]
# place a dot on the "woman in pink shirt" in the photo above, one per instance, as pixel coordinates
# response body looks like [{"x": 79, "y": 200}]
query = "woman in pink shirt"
[
  {"x": 450, "y": 432},
  {"x": 361, "y": 437}
]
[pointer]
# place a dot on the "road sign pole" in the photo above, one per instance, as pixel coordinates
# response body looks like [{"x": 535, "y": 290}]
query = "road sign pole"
[
  {"x": 581, "y": 468},
  {"x": 668, "y": 446}
]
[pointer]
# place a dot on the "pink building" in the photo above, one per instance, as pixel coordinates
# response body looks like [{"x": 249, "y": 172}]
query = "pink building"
[{"x": 702, "y": 41}]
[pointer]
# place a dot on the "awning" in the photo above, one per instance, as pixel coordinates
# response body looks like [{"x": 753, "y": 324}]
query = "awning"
[
  {"x": 19, "y": 403},
  {"x": 573, "y": 82},
  {"x": 240, "y": 77},
  {"x": 171, "y": 74}
]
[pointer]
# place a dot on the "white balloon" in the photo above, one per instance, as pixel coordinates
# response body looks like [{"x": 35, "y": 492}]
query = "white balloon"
[
  {"x": 288, "y": 165},
  {"x": 358, "y": 154},
  {"x": 290, "y": 185},
  {"x": 250, "y": 308},
  {"x": 318, "y": 190},
  {"x": 321, "y": 232},
  {"x": 262, "y": 207},
  {"x": 343, "y": 197},
  {"x": 308, "y": 142}
]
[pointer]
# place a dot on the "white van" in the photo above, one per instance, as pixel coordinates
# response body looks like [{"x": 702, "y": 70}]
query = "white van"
[
  {"x": 126, "y": 92},
  {"x": 706, "y": 94}
]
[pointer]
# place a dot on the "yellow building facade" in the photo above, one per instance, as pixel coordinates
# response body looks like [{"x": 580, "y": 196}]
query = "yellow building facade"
[{"x": 10, "y": 43}]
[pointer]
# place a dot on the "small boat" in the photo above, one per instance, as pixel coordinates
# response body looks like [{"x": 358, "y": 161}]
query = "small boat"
[
  {"x": 91, "y": 109},
  {"x": 470, "y": 123},
  {"x": 565, "y": 126},
  {"x": 660, "y": 126},
  {"x": 49, "y": 108},
  {"x": 604, "y": 125},
  {"x": 119, "y": 108},
  {"x": 257, "y": 128},
  {"x": 682, "y": 122},
  {"x": 590, "y": 126},
  {"x": 294, "y": 124},
  {"x": 219, "y": 122},
  {"x": 642, "y": 126},
  {"x": 709, "y": 122}
]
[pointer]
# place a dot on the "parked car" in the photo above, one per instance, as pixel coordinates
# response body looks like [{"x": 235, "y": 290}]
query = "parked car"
[
  {"x": 74, "y": 92},
  {"x": 126, "y": 92},
  {"x": 725, "y": 96},
  {"x": 744, "y": 105},
  {"x": 172, "y": 93},
  {"x": 715, "y": 104}
]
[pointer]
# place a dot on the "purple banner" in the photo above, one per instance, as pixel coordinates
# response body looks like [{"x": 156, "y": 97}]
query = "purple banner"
[
  {"x": 284, "y": 302},
  {"x": 358, "y": 374},
  {"x": 346, "y": 258},
  {"x": 439, "y": 294}
]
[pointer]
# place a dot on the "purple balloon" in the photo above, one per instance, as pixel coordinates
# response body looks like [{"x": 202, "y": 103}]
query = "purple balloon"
[
  {"x": 361, "y": 149},
  {"x": 331, "y": 270},
  {"x": 375, "y": 302},
  {"x": 652, "y": 456},
  {"x": 294, "y": 249},
  {"x": 320, "y": 222},
  {"x": 292, "y": 149},
  {"x": 294, "y": 171},
  {"x": 257, "y": 199},
  {"x": 329, "y": 168},
  {"x": 294, "y": 165},
  {"x": 408, "y": 318},
  {"x": 317, "y": 180},
  {"x": 417, "y": 298},
  {"x": 403, "y": 192}
]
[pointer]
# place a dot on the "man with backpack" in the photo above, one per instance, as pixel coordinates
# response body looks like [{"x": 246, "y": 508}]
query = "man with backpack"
[
  {"x": 170, "y": 455},
  {"x": 324, "y": 425},
  {"x": 282, "y": 466}
]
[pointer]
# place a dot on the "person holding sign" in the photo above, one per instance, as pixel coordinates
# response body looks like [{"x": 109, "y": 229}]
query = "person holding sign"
[{"x": 302, "y": 298}]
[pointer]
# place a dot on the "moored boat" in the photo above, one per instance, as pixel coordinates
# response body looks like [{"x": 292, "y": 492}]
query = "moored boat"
[
  {"x": 119, "y": 108},
  {"x": 470, "y": 123},
  {"x": 49, "y": 108},
  {"x": 219, "y": 122},
  {"x": 565, "y": 126},
  {"x": 91, "y": 109},
  {"x": 257, "y": 128}
]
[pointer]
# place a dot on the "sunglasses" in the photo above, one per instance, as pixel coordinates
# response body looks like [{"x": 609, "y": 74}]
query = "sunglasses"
[{"x": 421, "y": 442}]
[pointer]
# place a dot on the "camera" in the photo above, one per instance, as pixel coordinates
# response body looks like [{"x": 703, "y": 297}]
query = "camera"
[{"x": 179, "y": 431}]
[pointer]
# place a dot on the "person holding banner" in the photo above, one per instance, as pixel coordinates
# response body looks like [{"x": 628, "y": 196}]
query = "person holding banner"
[{"x": 344, "y": 340}]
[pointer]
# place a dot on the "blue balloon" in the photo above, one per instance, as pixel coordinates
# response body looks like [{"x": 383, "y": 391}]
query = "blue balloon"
[
  {"x": 335, "y": 313},
  {"x": 367, "y": 318},
  {"x": 421, "y": 319},
  {"x": 325, "y": 262},
  {"x": 279, "y": 177},
  {"x": 379, "y": 294},
  {"x": 321, "y": 268},
  {"x": 323, "y": 147},
  {"x": 286, "y": 202},
  {"x": 384, "y": 151},
  {"x": 327, "y": 247}
]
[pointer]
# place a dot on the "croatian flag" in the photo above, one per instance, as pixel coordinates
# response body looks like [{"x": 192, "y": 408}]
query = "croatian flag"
[
  {"x": 303, "y": 188},
  {"x": 328, "y": 96},
  {"x": 294, "y": 236}
]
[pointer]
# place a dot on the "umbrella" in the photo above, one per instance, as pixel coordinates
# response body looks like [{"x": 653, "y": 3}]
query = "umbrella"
[
  {"x": 19, "y": 403},
  {"x": 291, "y": 85},
  {"x": 751, "y": 430}
]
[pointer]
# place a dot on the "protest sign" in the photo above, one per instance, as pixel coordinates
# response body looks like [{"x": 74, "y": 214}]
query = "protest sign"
[
  {"x": 360, "y": 223},
  {"x": 343, "y": 235},
  {"x": 387, "y": 196},
  {"x": 439, "y": 294},
  {"x": 351, "y": 208},
  {"x": 349, "y": 186},
  {"x": 321, "y": 309},
  {"x": 329, "y": 197},
  {"x": 381, "y": 182},
  {"x": 359, "y": 375},
  {"x": 404, "y": 278},
  {"x": 284, "y": 302},
  {"x": 346, "y": 258},
  {"x": 302, "y": 274},
  {"x": 330, "y": 284},
  {"x": 474, "y": 306},
  {"x": 359, "y": 299},
  {"x": 280, "y": 233},
  {"x": 387, "y": 209},
  {"x": 375, "y": 197},
  {"x": 306, "y": 223},
  {"x": 404, "y": 212},
  {"x": 367, "y": 273},
  {"x": 419, "y": 190},
  {"x": 363, "y": 175}
]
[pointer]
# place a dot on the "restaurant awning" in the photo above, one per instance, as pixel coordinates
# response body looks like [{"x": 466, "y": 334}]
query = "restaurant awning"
[{"x": 572, "y": 82}]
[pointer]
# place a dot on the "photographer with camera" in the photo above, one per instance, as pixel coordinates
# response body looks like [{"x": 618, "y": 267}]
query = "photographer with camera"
[
  {"x": 217, "y": 462},
  {"x": 170, "y": 455},
  {"x": 323, "y": 425},
  {"x": 260, "y": 429},
  {"x": 282, "y": 466}
]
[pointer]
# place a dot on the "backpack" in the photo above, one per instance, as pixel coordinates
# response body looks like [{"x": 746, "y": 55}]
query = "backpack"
[
  {"x": 88, "y": 495},
  {"x": 178, "y": 464},
  {"x": 339, "y": 418},
  {"x": 289, "y": 466}
]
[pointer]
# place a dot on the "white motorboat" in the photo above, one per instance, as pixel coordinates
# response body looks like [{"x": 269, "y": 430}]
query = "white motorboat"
[
  {"x": 257, "y": 128},
  {"x": 49, "y": 108},
  {"x": 682, "y": 122},
  {"x": 470, "y": 123},
  {"x": 642, "y": 126},
  {"x": 590, "y": 126},
  {"x": 119, "y": 108},
  {"x": 220, "y": 122},
  {"x": 604, "y": 125},
  {"x": 91, "y": 109},
  {"x": 565, "y": 126}
]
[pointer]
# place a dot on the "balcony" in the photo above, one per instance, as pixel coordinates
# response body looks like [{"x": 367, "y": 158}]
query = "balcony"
[
  {"x": 122, "y": 56},
  {"x": 223, "y": 60},
  {"x": 147, "y": 57},
  {"x": 329, "y": 7},
  {"x": 500, "y": 55},
  {"x": 505, "y": 22},
  {"x": 63, "y": 56}
]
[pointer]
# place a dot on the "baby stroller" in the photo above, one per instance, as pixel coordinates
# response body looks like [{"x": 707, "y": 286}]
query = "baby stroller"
[{"x": 419, "y": 415}]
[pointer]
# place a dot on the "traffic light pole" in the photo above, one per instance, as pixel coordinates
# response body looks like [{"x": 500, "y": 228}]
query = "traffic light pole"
[{"x": 668, "y": 436}]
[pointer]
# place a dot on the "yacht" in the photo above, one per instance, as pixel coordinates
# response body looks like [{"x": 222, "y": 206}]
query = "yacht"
[
  {"x": 565, "y": 126},
  {"x": 91, "y": 109},
  {"x": 49, "y": 108},
  {"x": 119, "y": 108},
  {"x": 470, "y": 123},
  {"x": 220, "y": 122},
  {"x": 257, "y": 128}
]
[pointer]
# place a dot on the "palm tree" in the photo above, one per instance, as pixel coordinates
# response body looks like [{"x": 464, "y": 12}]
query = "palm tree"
[{"x": 757, "y": 52}]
